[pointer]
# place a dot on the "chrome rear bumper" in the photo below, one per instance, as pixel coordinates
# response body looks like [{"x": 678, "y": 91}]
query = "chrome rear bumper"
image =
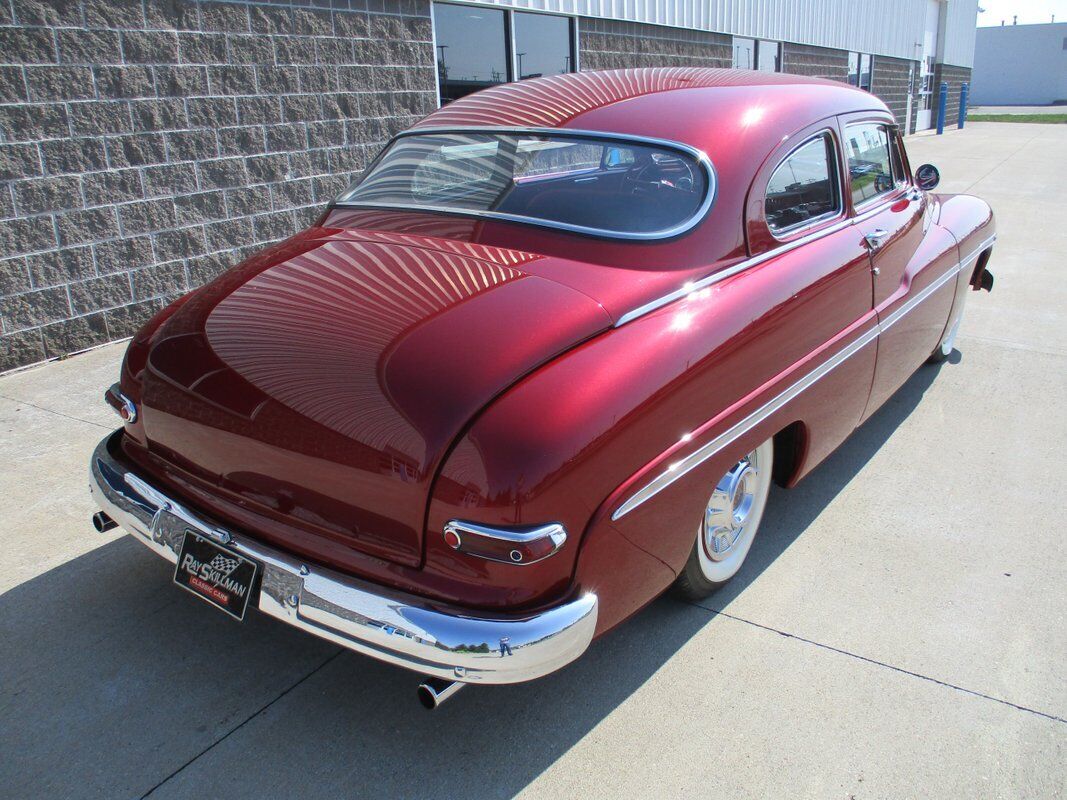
[{"x": 399, "y": 628}]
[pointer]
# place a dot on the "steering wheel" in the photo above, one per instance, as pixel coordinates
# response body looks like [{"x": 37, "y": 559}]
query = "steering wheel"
[{"x": 660, "y": 172}]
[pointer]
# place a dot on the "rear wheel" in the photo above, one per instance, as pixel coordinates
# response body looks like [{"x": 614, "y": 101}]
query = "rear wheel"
[{"x": 728, "y": 524}]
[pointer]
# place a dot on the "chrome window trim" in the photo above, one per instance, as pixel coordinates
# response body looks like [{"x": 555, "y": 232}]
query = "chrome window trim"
[
  {"x": 669, "y": 233},
  {"x": 880, "y": 198},
  {"x": 729, "y": 272},
  {"x": 741, "y": 266},
  {"x": 688, "y": 463},
  {"x": 783, "y": 234}
]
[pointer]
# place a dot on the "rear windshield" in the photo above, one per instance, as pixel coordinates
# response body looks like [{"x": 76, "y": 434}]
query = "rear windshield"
[{"x": 612, "y": 187}]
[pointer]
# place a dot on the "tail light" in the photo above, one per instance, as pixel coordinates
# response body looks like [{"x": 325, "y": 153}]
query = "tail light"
[{"x": 513, "y": 545}]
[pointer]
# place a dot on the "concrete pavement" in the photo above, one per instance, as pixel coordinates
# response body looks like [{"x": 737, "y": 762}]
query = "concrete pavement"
[{"x": 899, "y": 630}]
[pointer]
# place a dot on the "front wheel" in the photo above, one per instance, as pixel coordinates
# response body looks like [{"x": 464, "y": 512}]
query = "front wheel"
[{"x": 728, "y": 524}]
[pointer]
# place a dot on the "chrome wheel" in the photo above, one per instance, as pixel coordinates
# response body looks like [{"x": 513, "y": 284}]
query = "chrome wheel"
[{"x": 733, "y": 513}]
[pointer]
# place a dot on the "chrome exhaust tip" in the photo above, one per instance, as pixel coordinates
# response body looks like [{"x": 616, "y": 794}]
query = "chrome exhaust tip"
[
  {"x": 103, "y": 523},
  {"x": 434, "y": 691}
]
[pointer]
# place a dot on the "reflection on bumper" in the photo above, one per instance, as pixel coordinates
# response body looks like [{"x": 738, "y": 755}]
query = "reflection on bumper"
[{"x": 399, "y": 628}]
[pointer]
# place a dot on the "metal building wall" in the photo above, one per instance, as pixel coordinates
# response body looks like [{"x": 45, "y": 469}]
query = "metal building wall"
[
  {"x": 961, "y": 20},
  {"x": 882, "y": 27},
  {"x": 1020, "y": 65}
]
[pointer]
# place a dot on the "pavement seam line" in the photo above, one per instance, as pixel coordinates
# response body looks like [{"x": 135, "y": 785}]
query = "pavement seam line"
[
  {"x": 53, "y": 411},
  {"x": 1007, "y": 158},
  {"x": 878, "y": 663},
  {"x": 1010, "y": 345},
  {"x": 238, "y": 727}
]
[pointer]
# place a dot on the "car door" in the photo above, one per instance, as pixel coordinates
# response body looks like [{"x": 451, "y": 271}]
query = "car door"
[
  {"x": 911, "y": 258},
  {"x": 797, "y": 217}
]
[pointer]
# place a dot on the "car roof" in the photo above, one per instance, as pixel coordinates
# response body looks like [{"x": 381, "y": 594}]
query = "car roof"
[
  {"x": 738, "y": 118},
  {"x": 670, "y": 103}
]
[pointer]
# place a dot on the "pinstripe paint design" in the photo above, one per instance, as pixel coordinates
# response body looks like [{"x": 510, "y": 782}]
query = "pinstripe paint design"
[
  {"x": 680, "y": 468},
  {"x": 309, "y": 332}
]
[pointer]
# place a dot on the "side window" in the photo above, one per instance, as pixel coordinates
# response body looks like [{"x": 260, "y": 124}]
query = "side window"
[
  {"x": 870, "y": 168},
  {"x": 804, "y": 186}
]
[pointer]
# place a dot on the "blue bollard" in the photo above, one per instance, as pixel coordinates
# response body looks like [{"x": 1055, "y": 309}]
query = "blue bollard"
[
  {"x": 963, "y": 105},
  {"x": 942, "y": 103}
]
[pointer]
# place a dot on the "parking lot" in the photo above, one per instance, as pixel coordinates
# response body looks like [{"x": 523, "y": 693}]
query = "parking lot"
[{"x": 899, "y": 629}]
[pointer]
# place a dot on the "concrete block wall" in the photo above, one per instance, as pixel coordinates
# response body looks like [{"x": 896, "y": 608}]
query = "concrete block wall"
[
  {"x": 955, "y": 77},
  {"x": 815, "y": 62},
  {"x": 146, "y": 145},
  {"x": 615, "y": 44},
  {"x": 890, "y": 82}
]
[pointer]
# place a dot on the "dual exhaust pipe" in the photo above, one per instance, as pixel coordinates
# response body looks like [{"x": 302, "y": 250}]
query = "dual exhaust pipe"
[{"x": 432, "y": 692}]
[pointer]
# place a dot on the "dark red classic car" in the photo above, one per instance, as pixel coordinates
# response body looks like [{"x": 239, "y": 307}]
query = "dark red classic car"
[{"x": 541, "y": 362}]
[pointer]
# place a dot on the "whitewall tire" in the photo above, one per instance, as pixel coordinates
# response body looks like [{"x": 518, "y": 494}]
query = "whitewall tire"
[{"x": 728, "y": 523}]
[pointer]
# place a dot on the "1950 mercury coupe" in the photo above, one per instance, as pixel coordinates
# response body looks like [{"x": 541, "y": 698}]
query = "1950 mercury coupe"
[{"x": 541, "y": 362}]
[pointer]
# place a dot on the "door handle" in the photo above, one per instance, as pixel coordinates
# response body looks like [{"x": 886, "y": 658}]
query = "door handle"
[{"x": 876, "y": 238}]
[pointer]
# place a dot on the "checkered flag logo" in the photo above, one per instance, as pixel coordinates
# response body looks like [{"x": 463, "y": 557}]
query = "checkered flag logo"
[{"x": 223, "y": 565}]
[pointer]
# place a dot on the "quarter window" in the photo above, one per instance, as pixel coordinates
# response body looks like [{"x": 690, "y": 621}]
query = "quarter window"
[
  {"x": 804, "y": 186},
  {"x": 870, "y": 168}
]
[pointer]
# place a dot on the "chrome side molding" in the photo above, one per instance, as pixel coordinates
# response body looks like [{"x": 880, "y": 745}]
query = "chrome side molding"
[{"x": 688, "y": 463}]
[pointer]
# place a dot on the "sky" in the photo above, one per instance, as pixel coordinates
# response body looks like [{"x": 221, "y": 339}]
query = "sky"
[{"x": 1029, "y": 12}]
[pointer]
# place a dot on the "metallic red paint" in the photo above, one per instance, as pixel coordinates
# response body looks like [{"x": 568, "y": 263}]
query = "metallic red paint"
[{"x": 345, "y": 394}]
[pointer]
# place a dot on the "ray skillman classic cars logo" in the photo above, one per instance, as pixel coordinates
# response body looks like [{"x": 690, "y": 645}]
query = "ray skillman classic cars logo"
[{"x": 217, "y": 575}]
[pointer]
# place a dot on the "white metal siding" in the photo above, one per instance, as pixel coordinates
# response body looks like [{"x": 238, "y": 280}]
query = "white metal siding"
[
  {"x": 1020, "y": 65},
  {"x": 960, "y": 23},
  {"x": 882, "y": 27}
]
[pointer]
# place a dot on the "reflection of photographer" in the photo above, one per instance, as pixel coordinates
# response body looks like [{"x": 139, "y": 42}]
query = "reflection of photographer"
[{"x": 504, "y": 646}]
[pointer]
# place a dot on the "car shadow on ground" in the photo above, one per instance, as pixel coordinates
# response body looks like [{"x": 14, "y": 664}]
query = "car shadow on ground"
[{"x": 126, "y": 682}]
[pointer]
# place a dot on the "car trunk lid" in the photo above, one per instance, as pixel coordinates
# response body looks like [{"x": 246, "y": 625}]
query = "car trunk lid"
[{"x": 322, "y": 382}]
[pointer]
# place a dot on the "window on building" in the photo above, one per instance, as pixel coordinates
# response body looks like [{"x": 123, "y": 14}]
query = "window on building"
[
  {"x": 471, "y": 49},
  {"x": 865, "y": 71},
  {"x": 479, "y": 47},
  {"x": 870, "y": 168},
  {"x": 859, "y": 70},
  {"x": 744, "y": 53},
  {"x": 854, "y": 69},
  {"x": 542, "y": 45},
  {"x": 757, "y": 54},
  {"x": 769, "y": 56},
  {"x": 804, "y": 187}
]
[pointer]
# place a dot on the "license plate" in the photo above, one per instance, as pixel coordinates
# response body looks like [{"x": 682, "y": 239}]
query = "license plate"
[{"x": 216, "y": 574}]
